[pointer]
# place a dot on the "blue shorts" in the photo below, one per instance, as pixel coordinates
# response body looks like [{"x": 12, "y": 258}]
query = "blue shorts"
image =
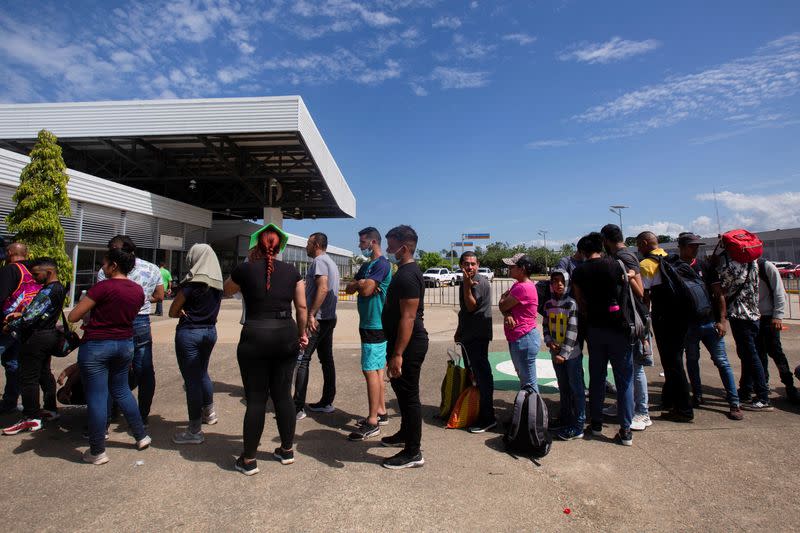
[{"x": 373, "y": 349}]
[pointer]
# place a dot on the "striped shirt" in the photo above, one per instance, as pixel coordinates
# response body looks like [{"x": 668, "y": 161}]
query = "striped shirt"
[{"x": 560, "y": 325}]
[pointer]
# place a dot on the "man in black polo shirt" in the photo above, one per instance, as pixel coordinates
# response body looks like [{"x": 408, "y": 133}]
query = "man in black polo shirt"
[{"x": 406, "y": 346}]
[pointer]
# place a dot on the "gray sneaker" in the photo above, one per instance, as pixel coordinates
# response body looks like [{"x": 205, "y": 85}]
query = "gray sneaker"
[
  {"x": 187, "y": 437},
  {"x": 301, "y": 414},
  {"x": 99, "y": 459}
]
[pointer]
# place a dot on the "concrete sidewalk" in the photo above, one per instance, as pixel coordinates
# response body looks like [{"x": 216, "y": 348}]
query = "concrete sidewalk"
[{"x": 712, "y": 475}]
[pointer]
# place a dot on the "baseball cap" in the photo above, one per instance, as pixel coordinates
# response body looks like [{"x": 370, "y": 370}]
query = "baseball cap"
[
  {"x": 686, "y": 238},
  {"x": 512, "y": 261}
]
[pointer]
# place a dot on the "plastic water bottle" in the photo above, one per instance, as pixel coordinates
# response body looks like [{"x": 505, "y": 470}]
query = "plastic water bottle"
[{"x": 301, "y": 353}]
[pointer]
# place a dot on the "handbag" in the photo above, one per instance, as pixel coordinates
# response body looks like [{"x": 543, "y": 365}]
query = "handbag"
[
  {"x": 467, "y": 408},
  {"x": 68, "y": 339},
  {"x": 455, "y": 380}
]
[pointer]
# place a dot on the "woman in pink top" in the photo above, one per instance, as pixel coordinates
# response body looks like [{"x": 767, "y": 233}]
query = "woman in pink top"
[{"x": 518, "y": 305}]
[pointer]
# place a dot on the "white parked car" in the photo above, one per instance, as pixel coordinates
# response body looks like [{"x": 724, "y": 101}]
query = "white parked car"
[
  {"x": 436, "y": 277},
  {"x": 487, "y": 273},
  {"x": 459, "y": 276}
]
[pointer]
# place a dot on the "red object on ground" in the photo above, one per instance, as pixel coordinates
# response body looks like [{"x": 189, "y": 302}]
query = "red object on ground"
[{"x": 567, "y": 510}]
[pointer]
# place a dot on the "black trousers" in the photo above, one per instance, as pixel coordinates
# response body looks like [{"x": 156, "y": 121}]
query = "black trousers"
[
  {"x": 670, "y": 335},
  {"x": 320, "y": 341},
  {"x": 769, "y": 344},
  {"x": 478, "y": 357},
  {"x": 267, "y": 354},
  {"x": 406, "y": 388},
  {"x": 35, "y": 371}
]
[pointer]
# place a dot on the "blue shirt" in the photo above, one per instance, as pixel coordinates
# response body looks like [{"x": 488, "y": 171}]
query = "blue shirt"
[{"x": 370, "y": 308}]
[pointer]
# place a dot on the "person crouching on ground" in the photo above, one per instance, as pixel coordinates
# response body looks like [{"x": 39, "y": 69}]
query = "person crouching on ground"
[
  {"x": 560, "y": 328},
  {"x": 106, "y": 351},
  {"x": 196, "y": 304},
  {"x": 518, "y": 305},
  {"x": 269, "y": 341}
]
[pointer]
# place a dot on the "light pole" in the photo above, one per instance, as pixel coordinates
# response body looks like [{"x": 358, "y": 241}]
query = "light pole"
[
  {"x": 617, "y": 210},
  {"x": 543, "y": 233}
]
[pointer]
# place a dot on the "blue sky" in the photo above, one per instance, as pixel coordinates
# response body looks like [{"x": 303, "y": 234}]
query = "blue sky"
[{"x": 458, "y": 116}]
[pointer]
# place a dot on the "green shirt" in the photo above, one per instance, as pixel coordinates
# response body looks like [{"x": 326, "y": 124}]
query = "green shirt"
[
  {"x": 166, "y": 277},
  {"x": 370, "y": 308}
]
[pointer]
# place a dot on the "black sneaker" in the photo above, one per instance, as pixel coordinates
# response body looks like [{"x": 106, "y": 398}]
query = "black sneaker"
[
  {"x": 285, "y": 457},
  {"x": 792, "y": 395},
  {"x": 596, "y": 429},
  {"x": 248, "y": 469},
  {"x": 757, "y": 405},
  {"x": 675, "y": 416},
  {"x": 404, "y": 460},
  {"x": 320, "y": 407},
  {"x": 697, "y": 400},
  {"x": 394, "y": 441},
  {"x": 383, "y": 420},
  {"x": 364, "y": 432},
  {"x": 625, "y": 437}
]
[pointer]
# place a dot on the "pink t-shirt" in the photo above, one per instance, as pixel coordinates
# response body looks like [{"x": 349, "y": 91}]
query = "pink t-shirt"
[{"x": 524, "y": 313}]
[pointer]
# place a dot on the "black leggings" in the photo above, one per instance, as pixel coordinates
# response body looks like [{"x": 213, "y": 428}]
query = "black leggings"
[
  {"x": 35, "y": 371},
  {"x": 267, "y": 355}
]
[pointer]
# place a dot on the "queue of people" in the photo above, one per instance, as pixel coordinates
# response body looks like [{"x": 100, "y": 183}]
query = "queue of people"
[{"x": 603, "y": 297}]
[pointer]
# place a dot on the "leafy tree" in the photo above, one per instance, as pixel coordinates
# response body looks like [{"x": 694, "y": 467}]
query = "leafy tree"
[
  {"x": 630, "y": 241},
  {"x": 431, "y": 259},
  {"x": 663, "y": 238},
  {"x": 41, "y": 198}
]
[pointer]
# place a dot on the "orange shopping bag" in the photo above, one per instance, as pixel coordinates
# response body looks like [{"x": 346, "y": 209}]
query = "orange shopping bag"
[{"x": 465, "y": 413}]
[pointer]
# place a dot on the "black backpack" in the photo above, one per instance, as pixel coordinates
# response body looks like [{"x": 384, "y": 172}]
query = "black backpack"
[
  {"x": 686, "y": 288},
  {"x": 527, "y": 431},
  {"x": 632, "y": 311}
]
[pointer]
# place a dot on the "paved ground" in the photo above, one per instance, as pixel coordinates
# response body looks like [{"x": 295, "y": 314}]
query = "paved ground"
[{"x": 713, "y": 475}]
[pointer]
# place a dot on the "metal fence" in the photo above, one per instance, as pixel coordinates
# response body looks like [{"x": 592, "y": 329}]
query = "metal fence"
[{"x": 448, "y": 296}]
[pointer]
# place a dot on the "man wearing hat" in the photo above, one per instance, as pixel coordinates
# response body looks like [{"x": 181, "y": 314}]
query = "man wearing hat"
[{"x": 711, "y": 331}]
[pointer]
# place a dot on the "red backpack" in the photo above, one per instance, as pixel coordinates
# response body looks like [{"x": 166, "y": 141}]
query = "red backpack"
[{"x": 742, "y": 246}]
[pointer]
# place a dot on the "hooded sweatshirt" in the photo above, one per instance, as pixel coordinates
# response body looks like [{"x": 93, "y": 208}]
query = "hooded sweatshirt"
[{"x": 560, "y": 324}]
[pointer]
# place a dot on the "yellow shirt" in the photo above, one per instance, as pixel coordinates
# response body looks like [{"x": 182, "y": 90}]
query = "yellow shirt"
[{"x": 650, "y": 273}]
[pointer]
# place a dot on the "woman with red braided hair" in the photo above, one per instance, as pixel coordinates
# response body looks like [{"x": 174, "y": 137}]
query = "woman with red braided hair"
[{"x": 269, "y": 342}]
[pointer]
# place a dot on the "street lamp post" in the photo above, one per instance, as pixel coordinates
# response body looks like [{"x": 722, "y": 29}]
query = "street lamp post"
[
  {"x": 617, "y": 210},
  {"x": 543, "y": 233}
]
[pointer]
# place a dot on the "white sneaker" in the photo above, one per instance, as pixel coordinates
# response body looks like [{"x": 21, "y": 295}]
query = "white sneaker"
[
  {"x": 99, "y": 459},
  {"x": 611, "y": 410},
  {"x": 301, "y": 414},
  {"x": 144, "y": 443},
  {"x": 641, "y": 422}
]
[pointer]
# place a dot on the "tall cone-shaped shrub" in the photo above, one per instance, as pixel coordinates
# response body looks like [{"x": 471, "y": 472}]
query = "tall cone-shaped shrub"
[{"x": 41, "y": 198}]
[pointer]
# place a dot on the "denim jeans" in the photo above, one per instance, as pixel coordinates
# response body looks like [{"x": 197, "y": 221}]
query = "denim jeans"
[
  {"x": 641, "y": 398},
  {"x": 321, "y": 342},
  {"x": 609, "y": 345},
  {"x": 104, "y": 366},
  {"x": 193, "y": 348},
  {"x": 753, "y": 380},
  {"x": 570, "y": 387},
  {"x": 10, "y": 360},
  {"x": 523, "y": 354},
  {"x": 143, "y": 363},
  {"x": 707, "y": 334},
  {"x": 478, "y": 356}
]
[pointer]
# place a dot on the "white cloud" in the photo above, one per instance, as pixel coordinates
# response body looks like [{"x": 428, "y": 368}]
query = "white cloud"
[
  {"x": 447, "y": 22},
  {"x": 418, "y": 89},
  {"x": 342, "y": 10},
  {"x": 520, "y": 38},
  {"x": 759, "y": 212},
  {"x": 732, "y": 89},
  {"x": 704, "y": 226},
  {"x": 617, "y": 49},
  {"x": 469, "y": 49},
  {"x": 658, "y": 227},
  {"x": 455, "y": 78},
  {"x": 374, "y": 76},
  {"x": 549, "y": 143},
  {"x": 473, "y": 4}
]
